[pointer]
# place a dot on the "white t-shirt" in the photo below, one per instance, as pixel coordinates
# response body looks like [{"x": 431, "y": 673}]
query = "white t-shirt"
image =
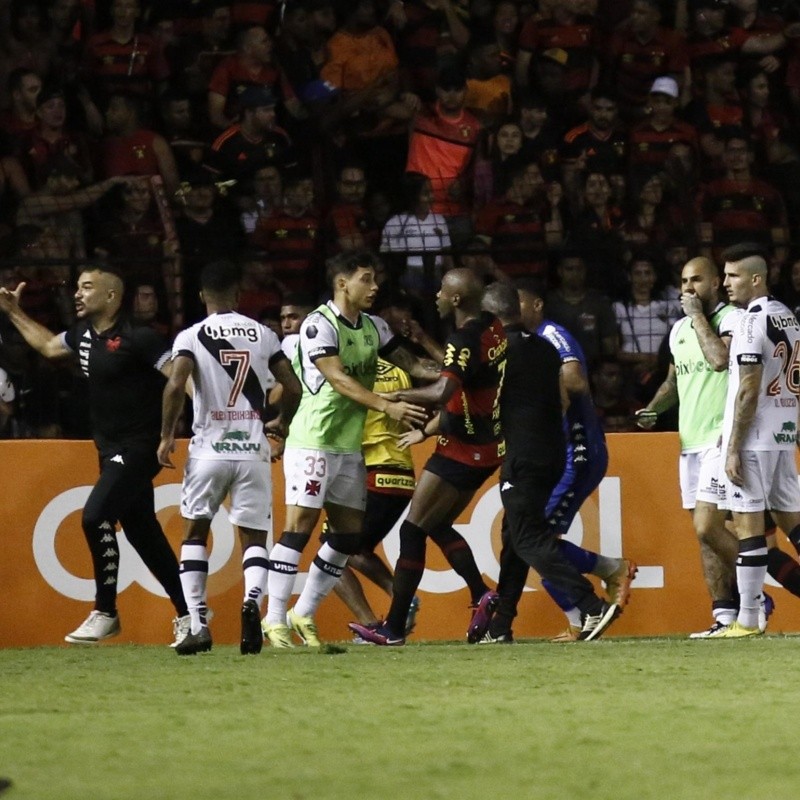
[
  {"x": 643, "y": 328},
  {"x": 768, "y": 333},
  {"x": 406, "y": 233},
  {"x": 232, "y": 356}
]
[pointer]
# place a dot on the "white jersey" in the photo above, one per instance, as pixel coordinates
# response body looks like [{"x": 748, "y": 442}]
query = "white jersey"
[
  {"x": 289, "y": 345},
  {"x": 232, "y": 356},
  {"x": 319, "y": 337},
  {"x": 768, "y": 334}
]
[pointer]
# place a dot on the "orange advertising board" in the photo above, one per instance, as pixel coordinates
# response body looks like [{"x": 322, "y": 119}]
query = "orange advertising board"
[{"x": 45, "y": 571}]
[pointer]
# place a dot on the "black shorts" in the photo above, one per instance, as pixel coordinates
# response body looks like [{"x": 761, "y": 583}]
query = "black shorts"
[{"x": 462, "y": 476}]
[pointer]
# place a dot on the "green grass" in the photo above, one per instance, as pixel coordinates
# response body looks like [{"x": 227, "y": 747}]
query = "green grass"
[{"x": 616, "y": 719}]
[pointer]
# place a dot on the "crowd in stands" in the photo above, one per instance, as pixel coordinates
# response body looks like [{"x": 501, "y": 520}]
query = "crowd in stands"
[{"x": 594, "y": 144}]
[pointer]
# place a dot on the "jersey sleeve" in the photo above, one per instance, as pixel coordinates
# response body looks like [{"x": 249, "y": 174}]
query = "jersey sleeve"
[
  {"x": 566, "y": 350},
  {"x": 727, "y": 325},
  {"x": 151, "y": 346},
  {"x": 318, "y": 337},
  {"x": 183, "y": 345},
  {"x": 272, "y": 345},
  {"x": 750, "y": 339},
  {"x": 387, "y": 341}
]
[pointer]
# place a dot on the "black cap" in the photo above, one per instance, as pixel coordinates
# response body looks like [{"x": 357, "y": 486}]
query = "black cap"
[
  {"x": 451, "y": 78},
  {"x": 257, "y": 97}
]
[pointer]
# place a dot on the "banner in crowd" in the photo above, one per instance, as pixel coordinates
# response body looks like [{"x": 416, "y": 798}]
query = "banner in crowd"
[{"x": 46, "y": 571}]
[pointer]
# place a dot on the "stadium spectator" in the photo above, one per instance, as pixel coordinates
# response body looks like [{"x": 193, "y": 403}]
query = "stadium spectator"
[
  {"x": 505, "y": 27},
  {"x": 541, "y": 137},
  {"x": 23, "y": 41},
  {"x": 291, "y": 236},
  {"x": 740, "y": 205},
  {"x": 146, "y": 308},
  {"x": 348, "y": 226},
  {"x": 181, "y": 129},
  {"x": 261, "y": 293},
  {"x": 267, "y": 197},
  {"x": 251, "y": 67},
  {"x": 488, "y": 87},
  {"x": 584, "y": 312},
  {"x": 641, "y": 51},
  {"x": 23, "y": 88},
  {"x": 491, "y": 173},
  {"x": 615, "y": 407},
  {"x": 121, "y": 59},
  {"x": 523, "y": 225},
  {"x": 255, "y": 142},
  {"x": 420, "y": 237},
  {"x": 652, "y": 139},
  {"x": 131, "y": 149}
]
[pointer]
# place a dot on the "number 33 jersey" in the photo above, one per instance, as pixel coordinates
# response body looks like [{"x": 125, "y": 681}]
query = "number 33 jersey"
[
  {"x": 767, "y": 334},
  {"x": 232, "y": 357}
]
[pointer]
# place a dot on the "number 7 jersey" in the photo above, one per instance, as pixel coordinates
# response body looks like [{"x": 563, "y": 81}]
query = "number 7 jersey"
[
  {"x": 232, "y": 357},
  {"x": 768, "y": 334}
]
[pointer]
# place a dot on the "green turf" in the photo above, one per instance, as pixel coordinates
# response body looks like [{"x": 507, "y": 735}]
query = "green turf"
[{"x": 616, "y": 719}]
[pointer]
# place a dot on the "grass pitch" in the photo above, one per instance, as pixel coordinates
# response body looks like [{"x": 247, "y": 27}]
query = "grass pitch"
[{"x": 617, "y": 719}]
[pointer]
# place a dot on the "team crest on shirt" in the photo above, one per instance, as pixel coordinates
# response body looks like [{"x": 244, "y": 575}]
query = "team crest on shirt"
[
  {"x": 313, "y": 488},
  {"x": 465, "y": 131},
  {"x": 112, "y": 345}
]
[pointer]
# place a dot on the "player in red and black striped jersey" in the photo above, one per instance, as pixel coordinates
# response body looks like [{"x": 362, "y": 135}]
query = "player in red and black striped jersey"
[{"x": 468, "y": 450}]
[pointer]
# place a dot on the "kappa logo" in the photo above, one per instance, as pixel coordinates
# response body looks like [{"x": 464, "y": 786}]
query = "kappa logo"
[
  {"x": 118, "y": 459},
  {"x": 506, "y": 486},
  {"x": 106, "y": 526},
  {"x": 107, "y": 538},
  {"x": 110, "y": 553},
  {"x": 313, "y": 488}
]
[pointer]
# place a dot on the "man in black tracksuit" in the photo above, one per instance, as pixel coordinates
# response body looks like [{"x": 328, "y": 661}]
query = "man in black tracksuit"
[
  {"x": 531, "y": 415},
  {"x": 123, "y": 364}
]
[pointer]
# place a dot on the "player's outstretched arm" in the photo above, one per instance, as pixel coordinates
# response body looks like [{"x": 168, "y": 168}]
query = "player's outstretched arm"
[
  {"x": 665, "y": 397},
  {"x": 37, "y": 336}
]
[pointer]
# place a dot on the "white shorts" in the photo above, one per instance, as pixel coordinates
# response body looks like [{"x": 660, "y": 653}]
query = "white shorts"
[
  {"x": 206, "y": 482},
  {"x": 770, "y": 481},
  {"x": 699, "y": 476},
  {"x": 317, "y": 477}
]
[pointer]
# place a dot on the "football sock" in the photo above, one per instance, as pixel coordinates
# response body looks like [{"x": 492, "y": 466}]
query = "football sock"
[
  {"x": 255, "y": 566},
  {"x": 794, "y": 537},
  {"x": 574, "y": 617},
  {"x": 407, "y": 574},
  {"x": 459, "y": 555},
  {"x": 724, "y": 611},
  {"x": 751, "y": 570},
  {"x": 194, "y": 577},
  {"x": 784, "y": 569},
  {"x": 323, "y": 575},
  {"x": 283, "y": 563},
  {"x": 101, "y": 536}
]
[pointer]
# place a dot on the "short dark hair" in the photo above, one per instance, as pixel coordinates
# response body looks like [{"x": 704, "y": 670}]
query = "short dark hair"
[
  {"x": 16, "y": 76},
  {"x": 738, "y": 252},
  {"x": 347, "y": 263},
  {"x": 219, "y": 277},
  {"x": 530, "y": 284},
  {"x": 605, "y": 92},
  {"x": 301, "y": 299}
]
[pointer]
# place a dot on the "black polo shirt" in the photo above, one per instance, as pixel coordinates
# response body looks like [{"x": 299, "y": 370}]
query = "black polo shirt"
[
  {"x": 530, "y": 402},
  {"x": 125, "y": 386}
]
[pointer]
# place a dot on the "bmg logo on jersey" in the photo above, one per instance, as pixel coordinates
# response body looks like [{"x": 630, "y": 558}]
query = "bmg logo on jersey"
[{"x": 249, "y": 332}]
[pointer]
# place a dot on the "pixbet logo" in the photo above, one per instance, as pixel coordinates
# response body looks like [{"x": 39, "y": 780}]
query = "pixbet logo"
[{"x": 131, "y": 568}]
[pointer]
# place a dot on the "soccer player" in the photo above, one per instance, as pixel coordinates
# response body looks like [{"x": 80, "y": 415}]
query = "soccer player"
[
  {"x": 232, "y": 361},
  {"x": 536, "y": 455},
  {"x": 698, "y": 380},
  {"x": 468, "y": 450},
  {"x": 124, "y": 365},
  {"x": 586, "y": 463},
  {"x": 759, "y": 427},
  {"x": 324, "y": 467}
]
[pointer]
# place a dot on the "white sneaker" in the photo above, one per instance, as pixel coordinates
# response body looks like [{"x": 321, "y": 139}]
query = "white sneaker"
[
  {"x": 712, "y": 632},
  {"x": 96, "y": 627},
  {"x": 181, "y": 626}
]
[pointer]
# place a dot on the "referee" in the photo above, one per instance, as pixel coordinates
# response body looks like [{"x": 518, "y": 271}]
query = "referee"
[{"x": 123, "y": 364}]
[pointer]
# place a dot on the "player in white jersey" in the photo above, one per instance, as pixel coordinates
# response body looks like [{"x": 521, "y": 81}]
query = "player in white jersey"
[
  {"x": 759, "y": 431},
  {"x": 231, "y": 360}
]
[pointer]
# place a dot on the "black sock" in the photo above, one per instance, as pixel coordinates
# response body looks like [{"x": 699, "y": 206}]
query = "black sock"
[
  {"x": 794, "y": 537},
  {"x": 784, "y": 569},
  {"x": 407, "y": 575},
  {"x": 459, "y": 556}
]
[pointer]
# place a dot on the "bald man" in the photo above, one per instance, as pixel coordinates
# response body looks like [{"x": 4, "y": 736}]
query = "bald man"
[
  {"x": 123, "y": 365},
  {"x": 469, "y": 449},
  {"x": 698, "y": 379}
]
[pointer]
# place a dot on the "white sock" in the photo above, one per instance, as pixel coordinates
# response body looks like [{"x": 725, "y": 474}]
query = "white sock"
[
  {"x": 574, "y": 617},
  {"x": 255, "y": 566},
  {"x": 724, "y": 615},
  {"x": 751, "y": 571},
  {"x": 324, "y": 574},
  {"x": 280, "y": 581},
  {"x": 194, "y": 577}
]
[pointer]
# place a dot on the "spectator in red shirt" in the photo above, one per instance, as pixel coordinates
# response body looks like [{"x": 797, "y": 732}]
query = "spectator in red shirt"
[
  {"x": 348, "y": 226},
  {"x": 24, "y": 86},
  {"x": 251, "y": 66},
  {"x": 652, "y": 139},
  {"x": 121, "y": 59},
  {"x": 130, "y": 149},
  {"x": 639, "y": 53}
]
